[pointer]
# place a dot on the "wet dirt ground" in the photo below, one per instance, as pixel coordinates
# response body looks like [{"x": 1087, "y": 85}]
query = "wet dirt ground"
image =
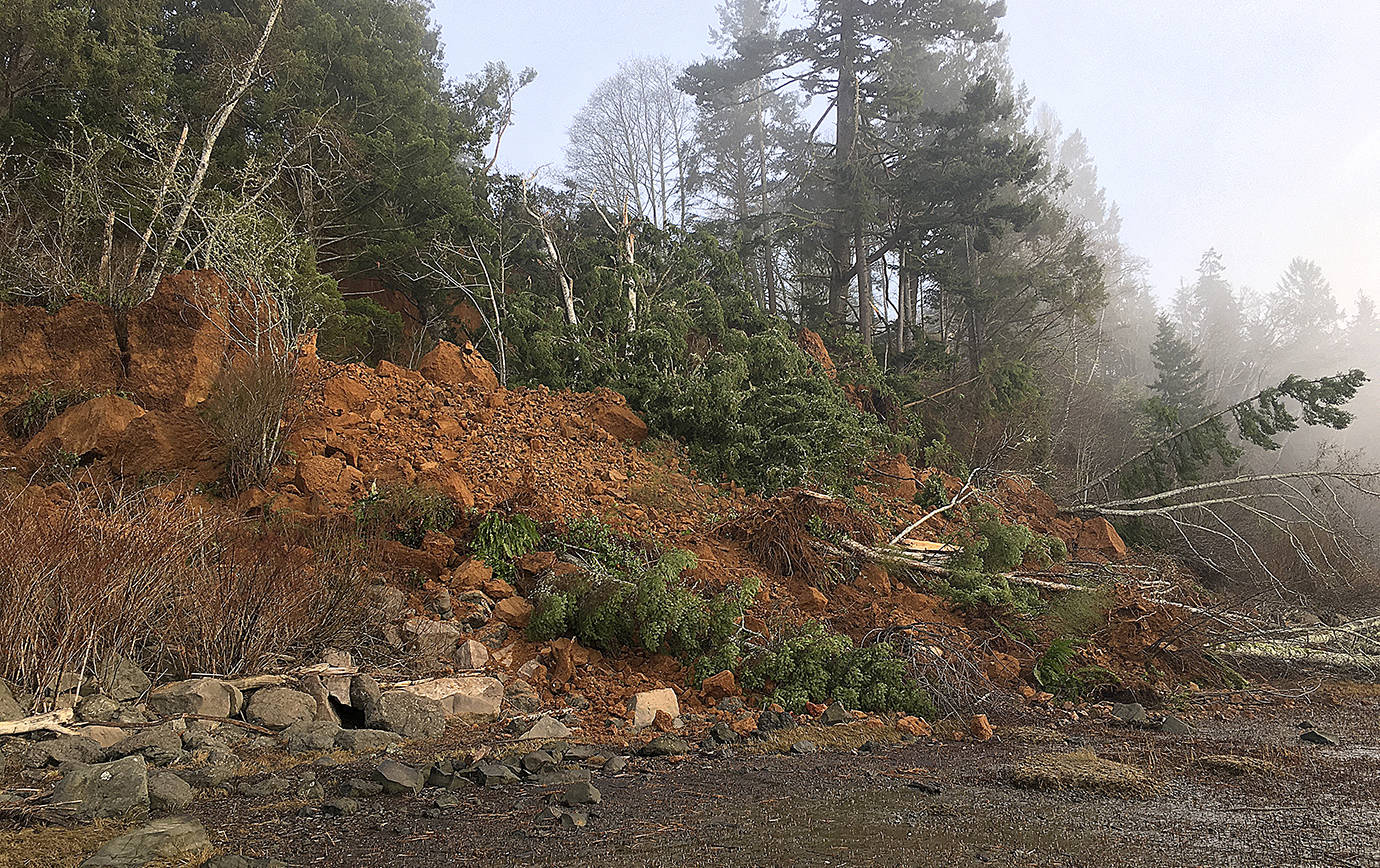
[{"x": 951, "y": 803}]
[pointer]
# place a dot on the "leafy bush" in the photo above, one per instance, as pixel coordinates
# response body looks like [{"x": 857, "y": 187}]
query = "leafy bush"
[
  {"x": 1053, "y": 672},
  {"x": 814, "y": 664},
  {"x": 404, "y": 513},
  {"x": 991, "y": 548},
  {"x": 501, "y": 539},
  {"x": 628, "y": 597},
  {"x": 45, "y": 404}
]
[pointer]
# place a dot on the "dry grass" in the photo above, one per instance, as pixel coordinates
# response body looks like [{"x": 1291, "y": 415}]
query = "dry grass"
[
  {"x": 56, "y": 846},
  {"x": 1082, "y": 769},
  {"x": 176, "y": 588},
  {"x": 782, "y": 534},
  {"x": 1235, "y": 766}
]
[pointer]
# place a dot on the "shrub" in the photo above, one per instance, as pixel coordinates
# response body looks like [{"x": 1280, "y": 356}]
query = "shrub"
[
  {"x": 993, "y": 547},
  {"x": 501, "y": 539},
  {"x": 43, "y": 405},
  {"x": 177, "y": 589},
  {"x": 250, "y": 413},
  {"x": 404, "y": 513},
  {"x": 1053, "y": 672},
  {"x": 629, "y": 597},
  {"x": 814, "y": 664}
]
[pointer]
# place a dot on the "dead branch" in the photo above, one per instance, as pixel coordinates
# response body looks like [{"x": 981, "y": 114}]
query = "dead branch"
[{"x": 49, "y": 721}]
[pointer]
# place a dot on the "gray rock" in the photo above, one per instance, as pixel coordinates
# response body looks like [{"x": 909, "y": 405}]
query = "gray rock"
[
  {"x": 537, "y": 761},
  {"x": 449, "y": 800},
  {"x": 270, "y": 787},
  {"x": 666, "y": 745},
  {"x": 159, "y": 745},
  {"x": 1174, "y": 726},
  {"x": 770, "y": 720},
  {"x": 561, "y": 776},
  {"x": 573, "y": 819},
  {"x": 804, "y": 746},
  {"x": 97, "y": 708},
  {"x": 279, "y": 707},
  {"x": 581, "y": 794},
  {"x": 431, "y": 639},
  {"x": 523, "y": 697},
  {"x": 365, "y": 695},
  {"x": 1130, "y": 712},
  {"x": 360, "y": 788},
  {"x": 409, "y": 715},
  {"x": 471, "y": 654},
  {"x": 168, "y": 793},
  {"x": 219, "y": 768},
  {"x": 395, "y": 777},
  {"x": 63, "y": 749},
  {"x": 468, "y": 696},
  {"x": 1312, "y": 736},
  {"x": 615, "y": 765},
  {"x": 834, "y": 714},
  {"x": 311, "y": 735},
  {"x": 732, "y": 704},
  {"x": 722, "y": 733},
  {"x": 111, "y": 789},
  {"x": 546, "y": 729},
  {"x": 494, "y": 775},
  {"x": 175, "y": 838},
  {"x": 346, "y": 807},
  {"x": 208, "y": 696},
  {"x": 10, "y": 709},
  {"x": 366, "y": 740},
  {"x": 121, "y": 678}
]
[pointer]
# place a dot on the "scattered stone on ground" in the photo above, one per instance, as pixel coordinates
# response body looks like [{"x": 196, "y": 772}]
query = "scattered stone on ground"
[
  {"x": 396, "y": 777},
  {"x": 174, "y": 839},
  {"x": 1313, "y": 736},
  {"x": 1130, "y": 712},
  {"x": 168, "y": 793},
  {"x": 205, "y": 696},
  {"x": 112, "y": 789},
  {"x": 582, "y": 793},
  {"x": 546, "y": 728}
]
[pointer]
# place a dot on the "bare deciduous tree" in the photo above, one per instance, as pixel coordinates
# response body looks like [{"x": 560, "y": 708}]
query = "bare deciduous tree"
[{"x": 631, "y": 143}]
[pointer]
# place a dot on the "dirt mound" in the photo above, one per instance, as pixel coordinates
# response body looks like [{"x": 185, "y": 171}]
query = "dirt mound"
[{"x": 813, "y": 346}]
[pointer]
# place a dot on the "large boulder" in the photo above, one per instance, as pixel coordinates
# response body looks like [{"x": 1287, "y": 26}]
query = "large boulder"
[
  {"x": 160, "y": 745},
  {"x": 612, "y": 414},
  {"x": 430, "y": 639},
  {"x": 473, "y": 696},
  {"x": 170, "y": 841},
  {"x": 645, "y": 705},
  {"x": 408, "y": 714},
  {"x": 111, "y": 789},
  {"x": 1098, "y": 535},
  {"x": 279, "y": 707},
  {"x": 206, "y": 696},
  {"x": 452, "y": 365},
  {"x": 168, "y": 793},
  {"x": 329, "y": 478},
  {"x": 92, "y": 426}
]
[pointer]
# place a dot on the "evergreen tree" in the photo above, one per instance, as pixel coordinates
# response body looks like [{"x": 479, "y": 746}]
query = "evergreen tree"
[{"x": 1307, "y": 321}]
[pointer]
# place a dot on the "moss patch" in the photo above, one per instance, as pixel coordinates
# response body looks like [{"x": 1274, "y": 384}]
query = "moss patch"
[{"x": 838, "y": 738}]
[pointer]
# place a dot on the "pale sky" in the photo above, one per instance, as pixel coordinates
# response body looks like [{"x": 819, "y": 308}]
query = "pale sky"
[{"x": 1252, "y": 126}]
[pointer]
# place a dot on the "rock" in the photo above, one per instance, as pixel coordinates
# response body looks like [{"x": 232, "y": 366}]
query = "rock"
[
  {"x": 91, "y": 426},
  {"x": 345, "y": 807},
  {"x": 646, "y": 704},
  {"x": 471, "y": 696},
  {"x": 176, "y": 838},
  {"x": 365, "y": 696},
  {"x": 523, "y": 697},
  {"x": 97, "y": 708},
  {"x": 206, "y": 696},
  {"x": 409, "y": 715},
  {"x": 666, "y": 745},
  {"x": 395, "y": 777},
  {"x": 366, "y": 740},
  {"x": 330, "y": 478},
  {"x": 111, "y": 789},
  {"x": 10, "y": 709},
  {"x": 812, "y": 600},
  {"x": 431, "y": 639},
  {"x": 979, "y": 728},
  {"x": 63, "y": 749},
  {"x": 1097, "y": 534},
  {"x": 1312, "y": 736},
  {"x": 723, "y": 733},
  {"x": 514, "y": 611},
  {"x": 106, "y": 736},
  {"x": 874, "y": 580},
  {"x": 451, "y": 365},
  {"x": 732, "y": 704},
  {"x": 308, "y": 736},
  {"x": 471, "y": 575},
  {"x": 121, "y": 678},
  {"x": 546, "y": 728},
  {"x": 494, "y": 775},
  {"x": 537, "y": 761},
  {"x": 1130, "y": 712},
  {"x": 804, "y": 746},
  {"x": 270, "y": 787},
  {"x": 834, "y": 715},
  {"x": 234, "y": 860},
  {"x": 612, "y": 414},
  {"x": 449, "y": 800},
  {"x": 279, "y": 707},
  {"x": 913, "y": 725},
  {"x": 615, "y": 765},
  {"x": 1174, "y": 726},
  {"x": 388, "y": 602},
  {"x": 168, "y": 793},
  {"x": 471, "y": 654},
  {"x": 561, "y": 776},
  {"x": 159, "y": 745},
  {"x": 581, "y": 794},
  {"x": 360, "y": 788},
  {"x": 720, "y": 686}
]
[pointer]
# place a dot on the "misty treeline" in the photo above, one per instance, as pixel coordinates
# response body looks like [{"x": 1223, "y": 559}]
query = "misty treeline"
[{"x": 870, "y": 170}]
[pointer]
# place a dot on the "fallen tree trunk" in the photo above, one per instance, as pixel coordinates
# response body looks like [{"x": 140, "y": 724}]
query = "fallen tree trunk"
[
  {"x": 51, "y": 721},
  {"x": 1289, "y": 652}
]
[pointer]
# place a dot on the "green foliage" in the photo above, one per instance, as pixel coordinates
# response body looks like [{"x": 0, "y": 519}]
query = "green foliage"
[
  {"x": 814, "y": 664},
  {"x": 43, "y": 405},
  {"x": 1053, "y": 672},
  {"x": 628, "y": 597},
  {"x": 992, "y": 547},
  {"x": 932, "y": 494},
  {"x": 502, "y": 539},
  {"x": 404, "y": 513}
]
